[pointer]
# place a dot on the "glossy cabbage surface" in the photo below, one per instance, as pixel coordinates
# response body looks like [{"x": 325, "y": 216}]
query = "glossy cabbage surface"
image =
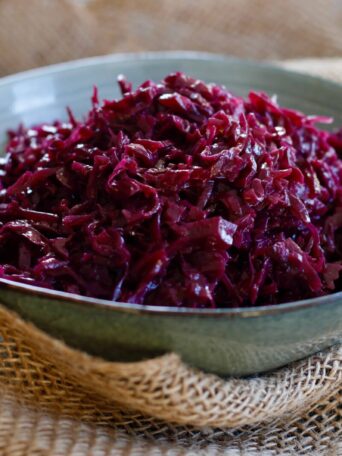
[{"x": 177, "y": 194}]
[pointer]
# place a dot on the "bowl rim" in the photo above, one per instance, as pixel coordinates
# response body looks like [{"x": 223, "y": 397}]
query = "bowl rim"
[
  {"x": 241, "y": 312},
  {"x": 245, "y": 312}
]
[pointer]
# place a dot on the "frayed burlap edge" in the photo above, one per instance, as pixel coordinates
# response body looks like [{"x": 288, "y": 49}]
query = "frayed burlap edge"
[
  {"x": 47, "y": 372},
  {"x": 26, "y": 430}
]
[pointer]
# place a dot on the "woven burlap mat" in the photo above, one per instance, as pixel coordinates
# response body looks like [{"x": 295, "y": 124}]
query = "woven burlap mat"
[
  {"x": 56, "y": 400},
  {"x": 36, "y": 32}
]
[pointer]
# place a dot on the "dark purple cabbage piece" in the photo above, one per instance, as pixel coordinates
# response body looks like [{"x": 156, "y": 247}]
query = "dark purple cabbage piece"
[{"x": 178, "y": 194}]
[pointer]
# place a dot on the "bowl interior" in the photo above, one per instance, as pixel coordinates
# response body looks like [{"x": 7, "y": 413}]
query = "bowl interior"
[{"x": 43, "y": 94}]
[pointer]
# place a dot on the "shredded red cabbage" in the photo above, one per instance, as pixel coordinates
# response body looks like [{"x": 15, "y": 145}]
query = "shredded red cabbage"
[{"x": 178, "y": 194}]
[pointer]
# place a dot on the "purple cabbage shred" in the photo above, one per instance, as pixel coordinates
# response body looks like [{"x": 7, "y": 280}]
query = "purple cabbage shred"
[{"x": 177, "y": 194}]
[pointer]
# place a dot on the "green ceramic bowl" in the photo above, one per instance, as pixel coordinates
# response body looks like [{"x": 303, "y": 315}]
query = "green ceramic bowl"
[{"x": 227, "y": 342}]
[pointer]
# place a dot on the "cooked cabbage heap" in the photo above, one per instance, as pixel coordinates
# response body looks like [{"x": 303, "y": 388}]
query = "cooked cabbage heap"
[{"x": 177, "y": 194}]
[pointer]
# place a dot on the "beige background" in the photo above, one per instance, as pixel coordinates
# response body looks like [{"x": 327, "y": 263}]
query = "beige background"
[{"x": 39, "y": 32}]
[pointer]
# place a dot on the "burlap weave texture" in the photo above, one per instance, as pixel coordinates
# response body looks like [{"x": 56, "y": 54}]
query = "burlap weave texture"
[
  {"x": 40, "y": 32},
  {"x": 295, "y": 410}
]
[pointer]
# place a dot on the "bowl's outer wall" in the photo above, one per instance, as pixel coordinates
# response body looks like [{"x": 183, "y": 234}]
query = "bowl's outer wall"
[{"x": 222, "y": 344}]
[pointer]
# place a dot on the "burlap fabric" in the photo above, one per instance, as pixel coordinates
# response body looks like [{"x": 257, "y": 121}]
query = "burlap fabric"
[
  {"x": 39, "y": 32},
  {"x": 57, "y": 397}
]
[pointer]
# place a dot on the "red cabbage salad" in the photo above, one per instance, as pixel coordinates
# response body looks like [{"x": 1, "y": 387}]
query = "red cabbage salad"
[{"x": 177, "y": 194}]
